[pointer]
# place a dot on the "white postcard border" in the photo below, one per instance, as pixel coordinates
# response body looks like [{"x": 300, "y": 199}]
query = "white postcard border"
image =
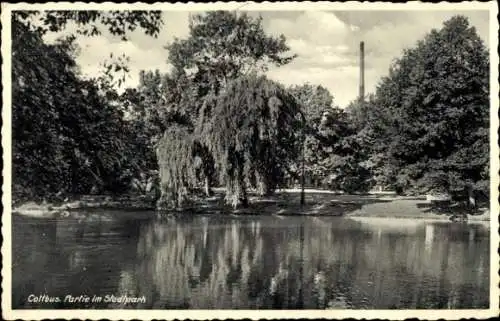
[{"x": 9, "y": 313}]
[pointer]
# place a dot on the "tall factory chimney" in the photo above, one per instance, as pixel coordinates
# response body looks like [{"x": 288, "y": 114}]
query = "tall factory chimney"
[{"x": 362, "y": 71}]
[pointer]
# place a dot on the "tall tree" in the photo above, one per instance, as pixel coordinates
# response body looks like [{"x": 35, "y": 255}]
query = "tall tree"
[
  {"x": 334, "y": 150},
  {"x": 316, "y": 102},
  {"x": 67, "y": 137},
  {"x": 176, "y": 159},
  {"x": 250, "y": 133},
  {"x": 436, "y": 98},
  {"x": 156, "y": 104},
  {"x": 221, "y": 46},
  {"x": 343, "y": 157},
  {"x": 372, "y": 131}
]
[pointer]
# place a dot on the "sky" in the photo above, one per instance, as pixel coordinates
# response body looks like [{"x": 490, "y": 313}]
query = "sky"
[{"x": 326, "y": 42}]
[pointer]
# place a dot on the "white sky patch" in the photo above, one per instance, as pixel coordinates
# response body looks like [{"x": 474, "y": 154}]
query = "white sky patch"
[
  {"x": 97, "y": 50},
  {"x": 323, "y": 40},
  {"x": 327, "y": 44},
  {"x": 320, "y": 28}
]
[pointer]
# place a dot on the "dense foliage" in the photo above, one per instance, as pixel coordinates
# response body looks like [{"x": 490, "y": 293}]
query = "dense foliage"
[
  {"x": 429, "y": 117},
  {"x": 245, "y": 131},
  {"x": 334, "y": 152},
  {"x": 345, "y": 157},
  {"x": 215, "y": 120},
  {"x": 176, "y": 158},
  {"x": 222, "y": 46},
  {"x": 316, "y": 102},
  {"x": 250, "y": 137},
  {"x": 91, "y": 22},
  {"x": 69, "y": 135}
]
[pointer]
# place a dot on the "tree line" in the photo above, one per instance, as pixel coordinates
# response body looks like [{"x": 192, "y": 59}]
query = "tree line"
[
  {"x": 426, "y": 127},
  {"x": 216, "y": 120}
]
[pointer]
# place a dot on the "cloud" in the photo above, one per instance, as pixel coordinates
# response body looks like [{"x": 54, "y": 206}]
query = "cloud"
[
  {"x": 325, "y": 56},
  {"x": 342, "y": 82},
  {"x": 321, "y": 28},
  {"x": 313, "y": 55},
  {"x": 97, "y": 50},
  {"x": 327, "y": 44}
]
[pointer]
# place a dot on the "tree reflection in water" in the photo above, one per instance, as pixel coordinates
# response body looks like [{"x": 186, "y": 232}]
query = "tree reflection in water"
[
  {"x": 311, "y": 263},
  {"x": 255, "y": 262}
]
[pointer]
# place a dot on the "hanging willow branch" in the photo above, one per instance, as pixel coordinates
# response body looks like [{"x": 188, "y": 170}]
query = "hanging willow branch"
[
  {"x": 250, "y": 132},
  {"x": 250, "y": 129},
  {"x": 176, "y": 160}
]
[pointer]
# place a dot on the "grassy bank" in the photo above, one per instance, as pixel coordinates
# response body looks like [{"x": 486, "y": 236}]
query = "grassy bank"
[
  {"x": 283, "y": 203},
  {"x": 417, "y": 208},
  {"x": 70, "y": 207}
]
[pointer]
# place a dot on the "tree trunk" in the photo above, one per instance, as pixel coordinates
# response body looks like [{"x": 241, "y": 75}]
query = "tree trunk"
[
  {"x": 172, "y": 197},
  {"x": 236, "y": 194},
  {"x": 208, "y": 189},
  {"x": 208, "y": 171},
  {"x": 471, "y": 197},
  {"x": 263, "y": 186}
]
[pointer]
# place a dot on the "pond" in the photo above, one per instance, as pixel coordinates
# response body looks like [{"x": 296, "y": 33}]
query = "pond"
[{"x": 250, "y": 262}]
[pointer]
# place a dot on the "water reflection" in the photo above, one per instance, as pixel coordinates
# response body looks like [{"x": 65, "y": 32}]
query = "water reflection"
[{"x": 253, "y": 262}]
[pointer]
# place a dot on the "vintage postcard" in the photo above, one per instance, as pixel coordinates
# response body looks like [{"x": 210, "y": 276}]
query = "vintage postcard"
[{"x": 234, "y": 160}]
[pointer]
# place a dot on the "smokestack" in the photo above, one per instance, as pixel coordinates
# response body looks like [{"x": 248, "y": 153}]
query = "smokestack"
[{"x": 362, "y": 71}]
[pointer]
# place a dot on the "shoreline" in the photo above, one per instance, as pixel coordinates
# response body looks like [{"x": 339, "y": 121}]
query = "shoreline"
[{"x": 283, "y": 203}]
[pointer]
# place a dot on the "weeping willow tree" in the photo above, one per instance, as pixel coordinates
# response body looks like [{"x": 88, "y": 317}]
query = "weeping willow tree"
[
  {"x": 251, "y": 129},
  {"x": 176, "y": 153}
]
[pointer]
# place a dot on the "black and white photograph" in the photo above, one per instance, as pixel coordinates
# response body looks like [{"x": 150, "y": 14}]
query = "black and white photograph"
[{"x": 234, "y": 160}]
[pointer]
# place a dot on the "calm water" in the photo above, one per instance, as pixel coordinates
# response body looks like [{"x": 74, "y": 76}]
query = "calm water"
[{"x": 252, "y": 262}]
